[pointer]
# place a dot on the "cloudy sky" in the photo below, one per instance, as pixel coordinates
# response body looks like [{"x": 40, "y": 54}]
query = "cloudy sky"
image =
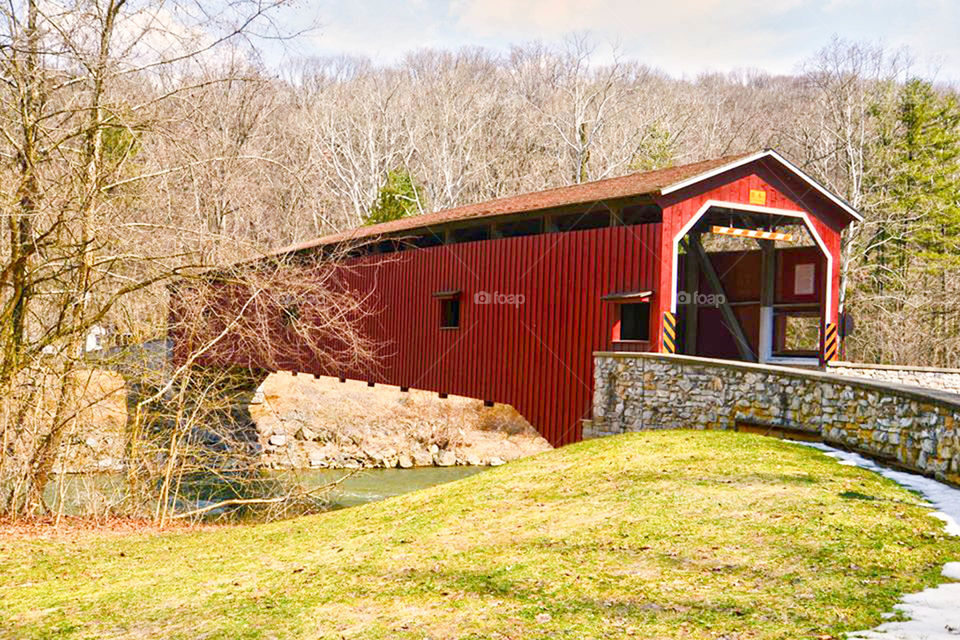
[{"x": 682, "y": 37}]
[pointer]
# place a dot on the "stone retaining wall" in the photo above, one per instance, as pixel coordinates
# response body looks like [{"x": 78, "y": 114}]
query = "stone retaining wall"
[
  {"x": 915, "y": 428},
  {"x": 928, "y": 377}
]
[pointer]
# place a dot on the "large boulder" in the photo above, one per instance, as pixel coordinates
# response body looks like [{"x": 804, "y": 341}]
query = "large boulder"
[
  {"x": 445, "y": 459},
  {"x": 381, "y": 456},
  {"x": 422, "y": 458}
]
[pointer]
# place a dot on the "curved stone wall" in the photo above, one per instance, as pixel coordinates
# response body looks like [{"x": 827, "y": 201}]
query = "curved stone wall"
[{"x": 909, "y": 426}]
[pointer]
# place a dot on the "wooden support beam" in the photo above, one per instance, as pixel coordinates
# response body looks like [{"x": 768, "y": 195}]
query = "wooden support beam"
[
  {"x": 746, "y": 221},
  {"x": 768, "y": 272},
  {"x": 729, "y": 317},
  {"x": 691, "y": 310},
  {"x": 768, "y": 276},
  {"x": 616, "y": 215}
]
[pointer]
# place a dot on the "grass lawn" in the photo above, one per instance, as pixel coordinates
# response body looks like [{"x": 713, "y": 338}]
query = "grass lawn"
[{"x": 654, "y": 535}]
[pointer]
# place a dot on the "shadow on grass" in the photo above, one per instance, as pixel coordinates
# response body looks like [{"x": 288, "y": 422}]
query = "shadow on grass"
[{"x": 856, "y": 495}]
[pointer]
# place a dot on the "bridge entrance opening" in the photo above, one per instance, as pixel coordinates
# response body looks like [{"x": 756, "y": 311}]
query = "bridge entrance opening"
[{"x": 752, "y": 285}]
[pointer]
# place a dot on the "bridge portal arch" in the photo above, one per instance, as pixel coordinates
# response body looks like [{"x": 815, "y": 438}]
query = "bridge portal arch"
[{"x": 782, "y": 316}]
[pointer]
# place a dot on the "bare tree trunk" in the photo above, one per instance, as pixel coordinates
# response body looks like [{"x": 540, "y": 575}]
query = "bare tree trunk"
[{"x": 21, "y": 224}]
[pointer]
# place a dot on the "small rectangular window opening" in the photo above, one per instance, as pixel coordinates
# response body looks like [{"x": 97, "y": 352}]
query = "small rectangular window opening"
[
  {"x": 426, "y": 241},
  {"x": 450, "y": 313},
  {"x": 520, "y": 228},
  {"x": 470, "y": 234},
  {"x": 642, "y": 214},
  {"x": 635, "y": 321},
  {"x": 796, "y": 334},
  {"x": 582, "y": 221}
]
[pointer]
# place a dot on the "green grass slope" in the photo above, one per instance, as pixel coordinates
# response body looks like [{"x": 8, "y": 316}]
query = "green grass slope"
[{"x": 654, "y": 535}]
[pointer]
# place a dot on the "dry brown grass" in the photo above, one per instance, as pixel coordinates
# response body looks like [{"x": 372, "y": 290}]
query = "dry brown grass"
[{"x": 74, "y": 528}]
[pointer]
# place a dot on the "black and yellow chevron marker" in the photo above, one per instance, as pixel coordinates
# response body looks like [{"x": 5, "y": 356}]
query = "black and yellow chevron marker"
[
  {"x": 830, "y": 343},
  {"x": 669, "y": 332}
]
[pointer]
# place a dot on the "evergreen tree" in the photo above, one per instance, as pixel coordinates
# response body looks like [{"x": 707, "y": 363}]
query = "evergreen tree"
[
  {"x": 657, "y": 151},
  {"x": 914, "y": 184},
  {"x": 913, "y": 258},
  {"x": 398, "y": 198},
  {"x": 926, "y": 187}
]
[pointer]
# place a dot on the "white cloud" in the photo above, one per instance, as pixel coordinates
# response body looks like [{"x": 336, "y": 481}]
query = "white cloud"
[
  {"x": 680, "y": 36},
  {"x": 382, "y": 30},
  {"x": 559, "y": 16}
]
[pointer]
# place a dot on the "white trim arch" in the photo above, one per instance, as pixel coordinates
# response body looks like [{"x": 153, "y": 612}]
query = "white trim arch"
[{"x": 737, "y": 206}]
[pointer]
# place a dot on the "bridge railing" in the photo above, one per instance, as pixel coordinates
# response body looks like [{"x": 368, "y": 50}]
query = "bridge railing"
[
  {"x": 926, "y": 377},
  {"x": 907, "y": 426}
]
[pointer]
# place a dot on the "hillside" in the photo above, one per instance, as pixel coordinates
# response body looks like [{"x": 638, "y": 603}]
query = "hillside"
[{"x": 654, "y": 535}]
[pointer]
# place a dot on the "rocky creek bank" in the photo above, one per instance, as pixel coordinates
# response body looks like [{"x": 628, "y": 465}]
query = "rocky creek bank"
[{"x": 304, "y": 422}]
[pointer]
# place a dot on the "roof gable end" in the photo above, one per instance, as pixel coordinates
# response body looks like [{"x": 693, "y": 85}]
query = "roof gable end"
[{"x": 767, "y": 154}]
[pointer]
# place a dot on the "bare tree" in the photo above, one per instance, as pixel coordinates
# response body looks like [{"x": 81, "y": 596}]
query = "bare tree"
[
  {"x": 578, "y": 100},
  {"x": 231, "y": 327},
  {"x": 356, "y": 131},
  {"x": 70, "y": 127},
  {"x": 848, "y": 82}
]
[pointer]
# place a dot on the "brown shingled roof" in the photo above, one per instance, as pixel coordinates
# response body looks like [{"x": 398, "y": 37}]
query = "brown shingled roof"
[{"x": 634, "y": 184}]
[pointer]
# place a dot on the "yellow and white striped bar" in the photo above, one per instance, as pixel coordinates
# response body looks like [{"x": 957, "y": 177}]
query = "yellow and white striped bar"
[{"x": 751, "y": 233}]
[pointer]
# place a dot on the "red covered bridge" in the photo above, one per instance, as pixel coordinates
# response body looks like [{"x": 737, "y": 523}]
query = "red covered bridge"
[{"x": 507, "y": 300}]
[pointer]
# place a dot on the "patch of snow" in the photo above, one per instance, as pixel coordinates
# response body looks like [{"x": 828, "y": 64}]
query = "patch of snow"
[
  {"x": 952, "y": 570},
  {"x": 933, "y": 614}
]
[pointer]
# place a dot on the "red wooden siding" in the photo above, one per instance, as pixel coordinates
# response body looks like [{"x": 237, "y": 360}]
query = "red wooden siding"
[{"x": 535, "y": 355}]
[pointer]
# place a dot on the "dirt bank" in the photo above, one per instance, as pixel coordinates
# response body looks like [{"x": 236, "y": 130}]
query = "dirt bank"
[{"x": 322, "y": 423}]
